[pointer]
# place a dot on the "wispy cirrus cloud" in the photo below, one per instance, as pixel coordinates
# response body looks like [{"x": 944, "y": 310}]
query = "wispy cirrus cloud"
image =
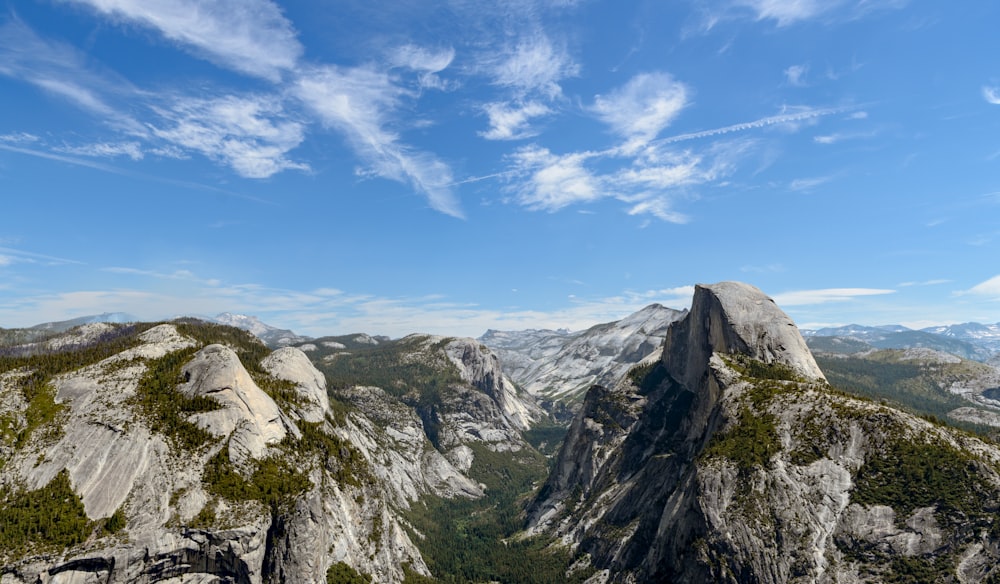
[
  {"x": 991, "y": 94},
  {"x": 426, "y": 62},
  {"x": 808, "y": 184},
  {"x": 60, "y": 70},
  {"x": 549, "y": 182},
  {"x": 796, "y": 75},
  {"x": 989, "y": 288},
  {"x": 647, "y": 173},
  {"x": 641, "y": 109},
  {"x": 20, "y": 255},
  {"x": 786, "y": 12},
  {"x": 533, "y": 64},
  {"x": 512, "y": 120},
  {"x": 531, "y": 71},
  {"x": 249, "y": 36},
  {"x": 826, "y": 295},
  {"x": 358, "y": 102},
  {"x": 131, "y": 150},
  {"x": 251, "y": 134},
  {"x": 789, "y": 12},
  {"x": 935, "y": 282}
]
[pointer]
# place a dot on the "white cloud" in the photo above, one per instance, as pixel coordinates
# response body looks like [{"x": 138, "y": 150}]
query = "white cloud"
[
  {"x": 989, "y": 288},
  {"x": 659, "y": 207},
  {"x": 251, "y": 134},
  {"x": 19, "y": 255},
  {"x": 643, "y": 107},
  {"x": 132, "y": 150},
  {"x": 425, "y": 62},
  {"x": 649, "y": 180},
  {"x": 795, "y": 75},
  {"x": 60, "y": 70},
  {"x": 551, "y": 182},
  {"x": 249, "y": 36},
  {"x": 826, "y": 295},
  {"x": 807, "y": 184},
  {"x": 992, "y": 95},
  {"x": 18, "y": 138},
  {"x": 787, "y": 12},
  {"x": 534, "y": 65},
  {"x": 511, "y": 121},
  {"x": 924, "y": 283},
  {"x": 358, "y": 102}
]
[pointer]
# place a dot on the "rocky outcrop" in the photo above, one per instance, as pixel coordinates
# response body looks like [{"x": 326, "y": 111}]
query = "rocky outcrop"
[
  {"x": 731, "y": 460},
  {"x": 248, "y": 415},
  {"x": 294, "y": 366},
  {"x": 177, "y": 528},
  {"x": 480, "y": 367},
  {"x": 559, "y": 367}
]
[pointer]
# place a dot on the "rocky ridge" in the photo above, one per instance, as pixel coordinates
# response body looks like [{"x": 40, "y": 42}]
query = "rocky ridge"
[
  {"x": 732, "y": 460},
  {"x": 246, "y": 472},
  {"x": 558, "y": 366}
]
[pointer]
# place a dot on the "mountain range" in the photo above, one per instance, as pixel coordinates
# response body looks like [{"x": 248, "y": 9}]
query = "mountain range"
[{"x": 707, "y": 445}]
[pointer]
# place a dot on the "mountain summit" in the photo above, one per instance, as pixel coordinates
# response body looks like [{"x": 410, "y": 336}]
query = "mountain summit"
[{"x": 732, "y": 460}]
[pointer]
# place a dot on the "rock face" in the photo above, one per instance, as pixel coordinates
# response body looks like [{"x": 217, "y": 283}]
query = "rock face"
[
  {"x": 249, "y": 416},
  {"x": 183, "y": 525},
  {"x": 559, "y": 366},
  {"x": 731, "y": 460},
  {"x": 246, "y": 474},
  {"x": 292, "y": 365}
]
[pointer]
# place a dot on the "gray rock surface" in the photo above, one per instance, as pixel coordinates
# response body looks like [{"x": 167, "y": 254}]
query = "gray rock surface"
[
  {"x": 561, "y": 366},
  {"x": 115, "y": 462},
  {"x": 293, "y": 365},
  {"x": 649, "y": 485}
]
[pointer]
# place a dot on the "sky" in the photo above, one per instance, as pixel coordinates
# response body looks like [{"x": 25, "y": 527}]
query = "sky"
[{"x": 448, "y": 167}]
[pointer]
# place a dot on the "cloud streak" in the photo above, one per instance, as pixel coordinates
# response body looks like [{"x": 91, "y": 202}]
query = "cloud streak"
[
  {"x": 249, "y": 36},
  {"x": 357, "y": 102},
  {"x": 826, "y": 295}
]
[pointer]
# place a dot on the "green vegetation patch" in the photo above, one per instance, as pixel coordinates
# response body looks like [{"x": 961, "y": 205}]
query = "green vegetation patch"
[
  {"x": 908, "y": 474},
  {"x": 165, "y": 409},
  {"x": 647, "y": 377},
  {"x": 48, "y": 518},
  {"x": 344, "y": 462},
  {"x": 392, "y": 367},
  {"x": 757, "y": 369},
  {"x": 273, "y": 482},
  {"x": 341, "y": 573},
  {"x": 472, "y": 540},
  {"x": 749, "y": 443},
  {"x": 911, "y": 386},
  {"x": 752, "y": 438},
  {"x": 546, "y": 438}
]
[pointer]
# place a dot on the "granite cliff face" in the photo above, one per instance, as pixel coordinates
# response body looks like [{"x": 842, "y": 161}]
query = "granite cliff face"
[
  {"x": 732, "y": 460},
  {"x": 559, "y": 366},
  {"x": 224, "y": 462}
]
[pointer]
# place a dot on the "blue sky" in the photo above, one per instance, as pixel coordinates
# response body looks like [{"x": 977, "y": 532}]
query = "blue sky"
[{"x": 449, "y": 167}]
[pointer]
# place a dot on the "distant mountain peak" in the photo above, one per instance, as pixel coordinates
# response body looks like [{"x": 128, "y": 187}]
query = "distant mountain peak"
[{"x": 271, "y": 335}]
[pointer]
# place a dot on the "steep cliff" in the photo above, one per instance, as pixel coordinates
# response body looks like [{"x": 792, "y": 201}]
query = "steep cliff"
[{"x": 732, "y": 460}]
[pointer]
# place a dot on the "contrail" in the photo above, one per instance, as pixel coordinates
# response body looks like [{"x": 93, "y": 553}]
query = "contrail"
[{"x": 763, "y": 122}]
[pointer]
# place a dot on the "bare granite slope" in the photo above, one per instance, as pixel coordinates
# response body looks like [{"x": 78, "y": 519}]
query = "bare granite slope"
[{"x": 732, "y": 460}]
